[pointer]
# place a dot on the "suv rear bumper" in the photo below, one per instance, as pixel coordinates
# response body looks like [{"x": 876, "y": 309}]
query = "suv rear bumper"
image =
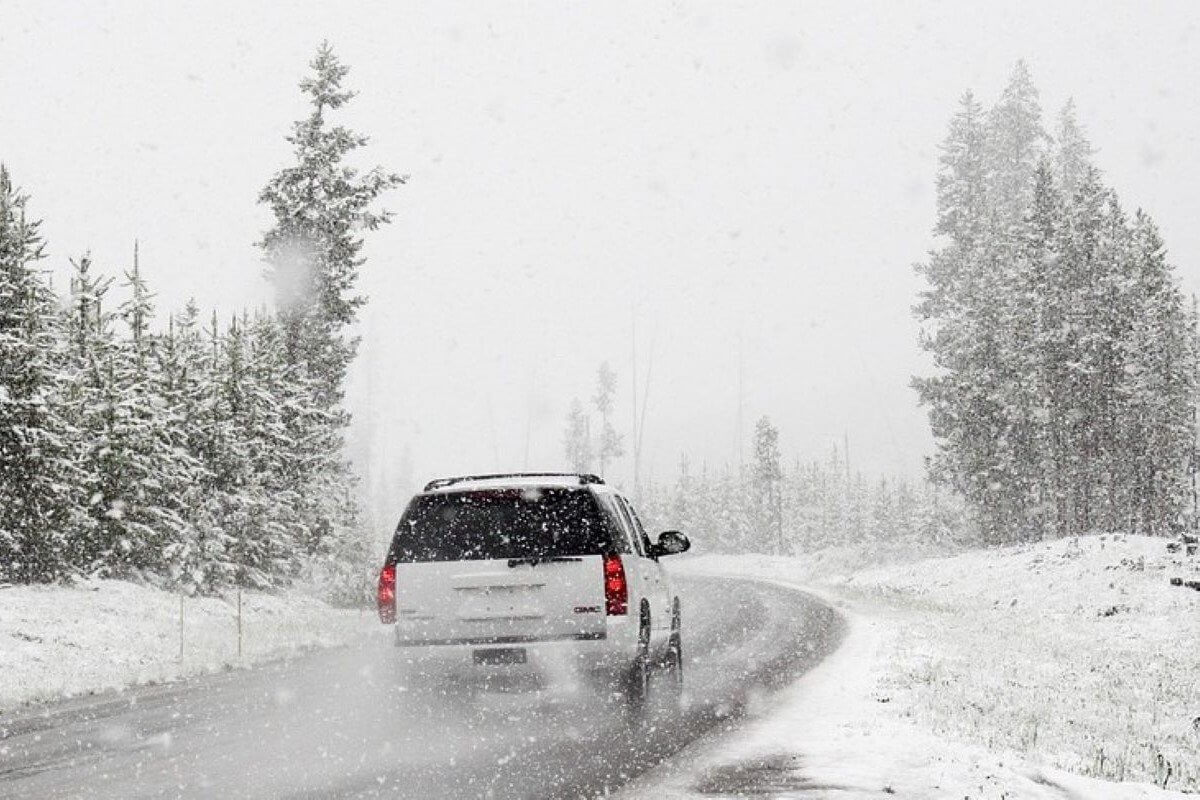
[{"x": 603, "y": 656}]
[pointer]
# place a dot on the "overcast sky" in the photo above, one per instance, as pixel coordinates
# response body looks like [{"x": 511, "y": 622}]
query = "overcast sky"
[{"x": 758, "y": 173}]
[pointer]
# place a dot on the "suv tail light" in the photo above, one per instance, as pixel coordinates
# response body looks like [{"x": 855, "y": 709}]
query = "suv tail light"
[
  {"x": 386, "y": 598},
  {"x": 616, "y": 590}
]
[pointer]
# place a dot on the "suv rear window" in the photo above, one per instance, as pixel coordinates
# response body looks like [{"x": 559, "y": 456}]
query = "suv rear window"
[{"x": 501, "y": 523}]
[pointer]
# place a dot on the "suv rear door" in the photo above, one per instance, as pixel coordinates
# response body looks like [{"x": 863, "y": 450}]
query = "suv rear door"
[
  {"x": 501, "y": 565},
  {"x": 658, "y": 589}
]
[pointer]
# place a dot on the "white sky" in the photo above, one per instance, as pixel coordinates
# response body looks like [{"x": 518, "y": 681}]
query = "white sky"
[{"x": 732, "y": 169}]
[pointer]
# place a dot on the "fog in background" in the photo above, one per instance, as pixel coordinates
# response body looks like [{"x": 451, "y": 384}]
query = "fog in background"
[{"x": 750, "y": 182}]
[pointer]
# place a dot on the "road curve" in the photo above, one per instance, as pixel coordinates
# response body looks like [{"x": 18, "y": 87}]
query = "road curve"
[{"x": 339, "y": 724}]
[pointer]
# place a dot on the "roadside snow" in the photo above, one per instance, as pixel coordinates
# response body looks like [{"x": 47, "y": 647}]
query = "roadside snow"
[
  {"x": 1010, "y": 673},
  {"x": 58, "y": 641}
]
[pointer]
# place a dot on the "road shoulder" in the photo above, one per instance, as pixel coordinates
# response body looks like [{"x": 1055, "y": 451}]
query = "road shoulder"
[{"x": 849, "y": 728}]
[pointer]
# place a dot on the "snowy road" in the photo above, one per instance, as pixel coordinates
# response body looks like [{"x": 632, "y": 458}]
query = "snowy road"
[{"x": 336, "y": 724}]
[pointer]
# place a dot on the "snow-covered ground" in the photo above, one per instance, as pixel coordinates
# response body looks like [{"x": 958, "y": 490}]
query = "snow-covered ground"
[
  {"x": 1069, "y": 669},
  {"x": 59, "y": 641}
]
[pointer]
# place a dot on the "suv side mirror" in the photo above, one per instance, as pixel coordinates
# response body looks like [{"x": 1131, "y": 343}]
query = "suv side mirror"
[{"x": 670, "y": 543}]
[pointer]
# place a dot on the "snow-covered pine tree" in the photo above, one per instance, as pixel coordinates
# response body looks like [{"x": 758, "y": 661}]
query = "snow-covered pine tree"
[
  {"x": 38, "y": 477},
  {"x": 610, "y": 445},
  {"x": 215, "y": 441},
  {"x": 766, "y": 477},
  {"x": 1065, "y": 371},
  {"x": 980, "y": 312},
  {"x": 202, "y": 563},
  {"x": 1047, "y": 292},
  {"x": 958, "y": 311},
  {"x": 1117, "y": 312},
  {"x": 1015, "y": 145},
  {"x": 139, "y": 481},
  {"x": 903, "y": 529},
  {"x": 321, "y": 205},
  {"x": 88, "y": 400},
  {"x": 1073, "y": 151},
  {"x": 273, "y": 394},
  {"x": 577, "y": 439},
  {"x": 158, "y": 475},
  {"x": 314, "y": 251},
  {"x": 246, "y": 519},
  {"x": 1015, "y": 142},
  {"x": 1160, "y": 359},
  {"x": 1082, "y": 262}
]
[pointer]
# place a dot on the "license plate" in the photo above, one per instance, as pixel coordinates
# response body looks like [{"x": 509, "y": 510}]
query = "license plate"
[{"x": 501, "y": 655}]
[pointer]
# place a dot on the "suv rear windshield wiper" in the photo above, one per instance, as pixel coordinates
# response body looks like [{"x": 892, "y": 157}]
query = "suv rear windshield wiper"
[{"x": 533, "y": 561}]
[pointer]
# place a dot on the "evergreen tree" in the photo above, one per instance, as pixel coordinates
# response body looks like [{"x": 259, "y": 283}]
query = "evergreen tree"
[
  {"x": 1014, "y": 144},
  {"x": 1073, "y": 151},
  {"x": 320, "y": 205},
  {"x": 610, "y": 445},
  {"x": 37, "y": 474},
  {"x": 960, "y": 312},
  {"x": 203, "y": 562},
  {"x": 766, "y": 478},
  {"x": 1065, "y": 359},
  {"x": 577, "y": 439},
  {"x": 138, "y": 480},
  {"x": 1047, "y": 293},
  {"x": 962, "y": 180},
  {"x": 157, "y": 477},
  {"x": 1160, "y": 358}
]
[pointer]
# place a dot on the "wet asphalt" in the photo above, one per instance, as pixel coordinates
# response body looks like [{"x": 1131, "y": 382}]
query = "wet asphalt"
[{"x": 345, "y": 723}]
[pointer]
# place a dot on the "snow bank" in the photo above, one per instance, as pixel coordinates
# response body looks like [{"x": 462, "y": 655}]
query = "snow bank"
[
  {"x": 1027, "y": 672},
  {"x": 58, "y": 641}
]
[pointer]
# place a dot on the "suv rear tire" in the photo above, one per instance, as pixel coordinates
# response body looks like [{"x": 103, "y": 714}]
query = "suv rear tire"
[
  {"x": 636, "y": 682},
  {"x": 674, "y": 658}
]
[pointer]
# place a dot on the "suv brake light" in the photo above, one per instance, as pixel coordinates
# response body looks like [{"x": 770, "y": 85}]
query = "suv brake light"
[
  {"x": 616, "y": 590},
  {"x": 386, "y": 598}
]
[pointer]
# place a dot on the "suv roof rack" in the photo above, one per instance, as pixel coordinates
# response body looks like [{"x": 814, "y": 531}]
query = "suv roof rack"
[{"x": 583, "y": 478}]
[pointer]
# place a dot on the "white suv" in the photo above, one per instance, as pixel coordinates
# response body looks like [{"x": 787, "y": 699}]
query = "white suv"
[{"x": 526, "y": 575}]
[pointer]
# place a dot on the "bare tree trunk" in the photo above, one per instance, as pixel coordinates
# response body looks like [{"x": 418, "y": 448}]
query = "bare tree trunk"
[
  {"x": 633, "y": 371},
  {"x": 641, "y": 428}
]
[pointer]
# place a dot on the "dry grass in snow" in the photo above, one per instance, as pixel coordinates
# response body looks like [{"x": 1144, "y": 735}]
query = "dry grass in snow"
[
  {"x": 1079, "y": 652},
  {"x": 1027, "y": 671}
]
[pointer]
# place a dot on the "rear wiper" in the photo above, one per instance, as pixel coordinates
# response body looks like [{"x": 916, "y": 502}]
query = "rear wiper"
[{"x": 533, "y": 561}]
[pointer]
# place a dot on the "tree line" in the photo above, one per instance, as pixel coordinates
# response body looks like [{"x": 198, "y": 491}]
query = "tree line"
[
  {"x": 770, "y": 506},
  {"x": 1063, "y": 393},
  {"x": 191, "y": 451},
  {"x": 788, "y": 507}
]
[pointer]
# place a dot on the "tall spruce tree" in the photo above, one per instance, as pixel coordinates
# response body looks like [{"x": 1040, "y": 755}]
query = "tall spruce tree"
[
  {"x": 1073, "y": 151},
  {"x": 203, "y": 561},
  {"x": 156, "y": 486},
  {"x": 37, "y": 473},
  {"x": 610, "y": 445},
  {"x": 1160, "y": 357},
  {"x": 321, "y": 205},
  {"x": 958, "y": 311},
  {"x": 577, "y": 439},
  {"x": 766, "y": 479}
]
